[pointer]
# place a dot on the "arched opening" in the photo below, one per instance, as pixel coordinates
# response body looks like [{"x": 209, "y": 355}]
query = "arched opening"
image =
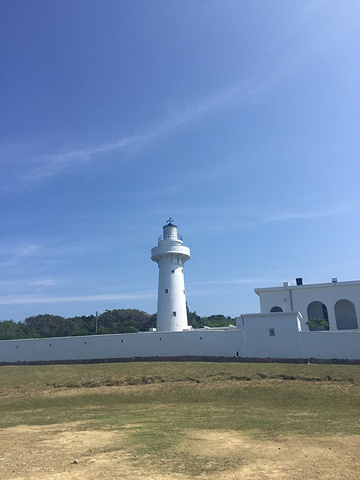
[
  {"x": 345, "y": 315},
  {"x": 276, "y": 309},
  {"x": 317, "y": 316}
]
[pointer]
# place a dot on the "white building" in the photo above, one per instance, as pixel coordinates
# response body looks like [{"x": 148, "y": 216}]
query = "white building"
[{"x": 336, "y": 302}]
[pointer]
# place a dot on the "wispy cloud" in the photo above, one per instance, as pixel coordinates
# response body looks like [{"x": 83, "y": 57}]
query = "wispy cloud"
[
  {"x": 234, "y": 218},
  {"x": 23, "y": 283},
  {"x": 16, "y": 253},
  {"x": 40, "y": 167},
  {"x": 234, "y": 281},
  {"x": 43, "y": 282},
  {"x": 304, "y": 16},
  {"x": 307, "y": 215},
  {"x": 29, "y": 299},
  {"x": 45, "y": 166}
]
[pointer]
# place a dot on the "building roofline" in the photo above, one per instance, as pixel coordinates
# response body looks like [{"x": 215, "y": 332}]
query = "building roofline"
[
  {"x": 306, "y": 286},
  {"x": 295, "y": 313}
]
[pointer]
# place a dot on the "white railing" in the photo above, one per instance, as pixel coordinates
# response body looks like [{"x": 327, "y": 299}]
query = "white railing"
[{"x": 170, "y": 237}]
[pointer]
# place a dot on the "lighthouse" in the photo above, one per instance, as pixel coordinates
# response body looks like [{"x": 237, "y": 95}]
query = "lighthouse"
[{"x": 170, "y": 255}]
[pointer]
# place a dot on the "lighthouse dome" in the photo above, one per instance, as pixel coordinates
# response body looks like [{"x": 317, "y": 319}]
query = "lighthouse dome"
[
  {"x": 170, "y": 234},
  {"x": 170, "y": 230}
]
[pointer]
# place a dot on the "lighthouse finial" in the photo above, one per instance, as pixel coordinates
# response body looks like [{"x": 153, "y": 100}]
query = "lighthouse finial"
[{"x": 170, "y": 220}]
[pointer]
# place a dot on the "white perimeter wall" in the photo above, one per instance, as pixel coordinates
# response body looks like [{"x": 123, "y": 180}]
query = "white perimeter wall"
[
  {"x": 143, "y": 344},
  {"x": 290, "y": 341},
  {"x": 251, "y": 339}
]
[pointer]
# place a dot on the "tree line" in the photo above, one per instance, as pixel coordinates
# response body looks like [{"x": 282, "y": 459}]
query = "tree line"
[{"x": 109, "y": 322}]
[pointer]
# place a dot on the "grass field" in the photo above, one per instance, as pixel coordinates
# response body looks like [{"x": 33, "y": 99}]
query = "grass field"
[{"x": 180, "y": 420}]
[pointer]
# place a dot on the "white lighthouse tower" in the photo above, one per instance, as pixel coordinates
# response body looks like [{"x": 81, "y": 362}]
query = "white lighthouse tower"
[{"x": 170, "y": 255}]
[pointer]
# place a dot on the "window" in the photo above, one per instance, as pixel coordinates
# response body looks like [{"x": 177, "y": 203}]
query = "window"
[
  {"x": 172, "y": 271},
  {"x": 174, "y": 314},
  {"x": 166, "y": 290},
  {"x": 276, "y": 309},
  {"x": 316, "y": 312},
  {"x": 345, "y": 315},
  {"x": 272, "y": 332}
]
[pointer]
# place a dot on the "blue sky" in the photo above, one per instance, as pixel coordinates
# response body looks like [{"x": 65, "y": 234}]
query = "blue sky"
[{"x": 238, "y": 119}]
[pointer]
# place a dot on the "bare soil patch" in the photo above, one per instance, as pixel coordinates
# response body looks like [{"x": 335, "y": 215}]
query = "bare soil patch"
[
  {"x": 67, "y": 452},
  {"x": 279, "y": 457}
]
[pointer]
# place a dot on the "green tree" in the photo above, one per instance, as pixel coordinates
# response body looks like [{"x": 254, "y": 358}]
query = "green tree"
[
  {"x": 125, "y": 321},
  {"x": 219, "y": 321},
  {"x": 194, "y": 320},
  {"x": 49, "y": 326},
  {"x": 9, "y": 330},
  {"x": 318, "y": 324},
  {"x": 109, "y": 322},
  {"x": 212, "y": 321},
  {"x": 84, "y": 325}
]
